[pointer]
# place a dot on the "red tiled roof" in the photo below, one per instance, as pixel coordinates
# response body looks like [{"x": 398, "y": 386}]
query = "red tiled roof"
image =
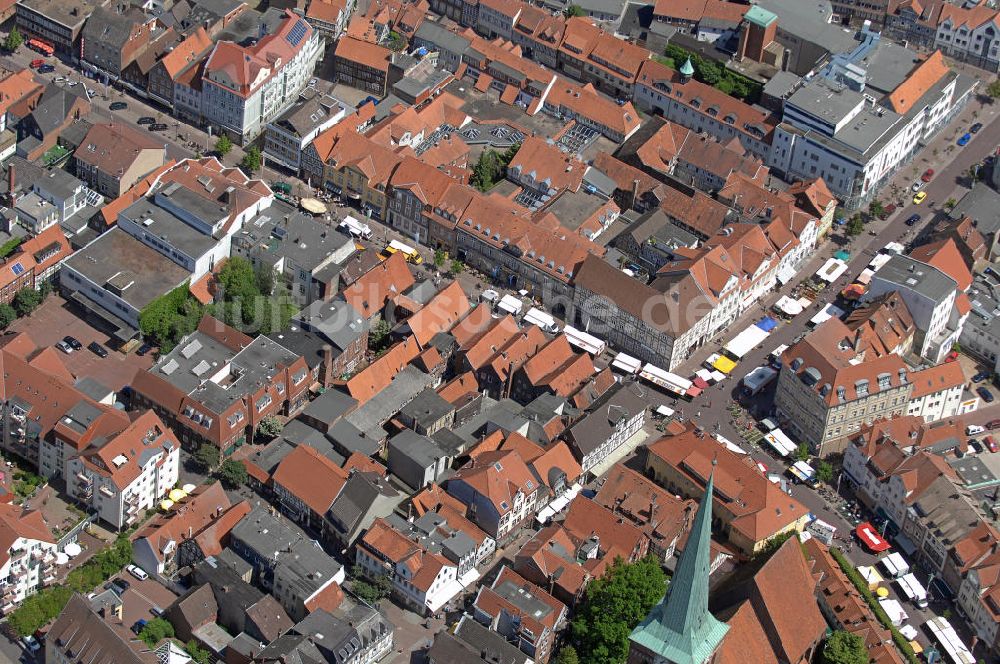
[
  {"x": 376, "y": 376},
  {"x": 362, "y": 52},
  {"x": 311, "y": 477},
  {"x": 920, "y": 79}
]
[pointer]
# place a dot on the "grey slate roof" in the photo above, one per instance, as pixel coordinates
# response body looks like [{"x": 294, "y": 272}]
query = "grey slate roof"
[{"x": 336, "y": 320}]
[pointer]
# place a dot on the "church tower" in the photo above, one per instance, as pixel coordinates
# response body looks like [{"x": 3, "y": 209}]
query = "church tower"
[{"x": 680, "y": 630}]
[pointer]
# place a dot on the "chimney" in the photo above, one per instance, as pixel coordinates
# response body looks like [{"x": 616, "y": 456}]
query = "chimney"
[
  {"x": 326, "y": 371},
  {"x": 857, "y": 340}
]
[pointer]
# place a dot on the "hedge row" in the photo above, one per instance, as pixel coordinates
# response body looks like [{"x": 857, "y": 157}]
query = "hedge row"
[{"x": 862, "y": 586}]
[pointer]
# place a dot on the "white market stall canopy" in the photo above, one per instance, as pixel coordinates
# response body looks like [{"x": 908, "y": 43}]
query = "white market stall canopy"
[
  {"x": 781, "y": 443},
  {"x": 626, "y": 363},
  {"x": 828, "y": 312},
  {"x": 587, "y": 342},
  {"x": 788, "y": 306},
  {"x": 510, "y": 304},
  {"x": 832, "y": 270},
  {"x": 745, "y": 341}
]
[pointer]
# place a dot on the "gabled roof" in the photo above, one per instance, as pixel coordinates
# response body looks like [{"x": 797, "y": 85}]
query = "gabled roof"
[
  {"x": 15, "y": 523},
  {"x": 379, "y": 285},
  {"x": 919, "y": 81},
  {"x": 310, "y": 477},
  {"x": 945, "y": 256}
]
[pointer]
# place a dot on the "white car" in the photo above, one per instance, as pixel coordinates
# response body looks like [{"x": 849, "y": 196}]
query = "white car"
[
  {"x": 918, "y": 185},
  {"x": 64, "y": 347},
  {"x": 974, "y": 430},
  {"x": 31, "y": 644},
  {"x": 72, "y": 83},
  {"x": 137, "y": 572}
]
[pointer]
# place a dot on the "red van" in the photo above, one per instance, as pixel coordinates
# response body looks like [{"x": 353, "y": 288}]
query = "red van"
[{"x": 35, "y": 64}]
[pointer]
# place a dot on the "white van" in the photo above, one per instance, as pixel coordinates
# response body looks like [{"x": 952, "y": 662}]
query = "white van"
[{"x": 974, "y": 430}]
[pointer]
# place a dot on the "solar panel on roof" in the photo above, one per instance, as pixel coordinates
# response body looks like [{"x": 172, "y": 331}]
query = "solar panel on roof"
[
  {"x": 17, "y": 269},
  {"x": 297, "y": 32}
]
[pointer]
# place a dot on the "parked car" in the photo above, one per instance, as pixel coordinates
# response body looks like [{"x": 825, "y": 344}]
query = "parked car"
[
  {"x": 928, "y": 174},
  {"x": 919, "y": 198},
  {"x": 964, "y": 140},
  {"x": 991, "y": 443},
  {"x": 120, "y": 585},
  {"x": 31, "y": 644},
  {"x": 913, "y": 220},
  {"x": 138, "y": 625},
  {"x": 981, "y": 376},
  {"x": 97, "y": 349},
  {"x": 64, "y": 347},
  {"x": 918, "y": 185},
  {"x": 118, "y": 105},
  {"x": 72, "y": 341},
  {"x": 36, "y": 63},
  {"x": 144, "y": 120},
  {"x": 137, "y": 572},
  {"x": 974, "y": 129},
  {"x": 976, "y": 447},
  {"x": 985, "y": 394},
  {"x": 157, "y": 126},
  {"x": 143, "y": 349},
  {"x": 974, "y": 430},
  {"x": 46, "y": 69}
]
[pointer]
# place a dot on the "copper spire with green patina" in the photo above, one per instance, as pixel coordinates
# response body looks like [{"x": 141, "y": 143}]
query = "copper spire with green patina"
[
  {"x": 687, "y": 69},
  {"x": 680, "y": 629}
]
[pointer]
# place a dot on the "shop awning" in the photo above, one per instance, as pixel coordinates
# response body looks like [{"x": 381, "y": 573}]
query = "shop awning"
[
  {"x": 700, "y": 382},
  {"x": 693, "y": 391},
  {"x": 312, "y": 205},
  {"x": 853, "y": 291},
  {"x": 842, "y": 255},
  {"x": 724, "y": 364},
  {"x": 718, "y": 376},
  {"x": 786, "y": 274}
]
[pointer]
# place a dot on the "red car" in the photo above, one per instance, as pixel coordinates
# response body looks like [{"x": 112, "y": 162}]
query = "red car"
[
  {"x": 952, "y": 356},
  {"x": 35, "y": 64},
  {"x": 993, "y": 424},
  {"x": 990, "y": 443},
  {"x": 928, "y": 174}
]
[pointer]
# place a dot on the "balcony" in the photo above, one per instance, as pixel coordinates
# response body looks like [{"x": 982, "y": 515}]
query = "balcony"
[
  {"x": 49, "y": 579},
  {"x": 84, "y": 480},
  {"x": 107, "y": 492},
  {"x": 18, "y": 554}
]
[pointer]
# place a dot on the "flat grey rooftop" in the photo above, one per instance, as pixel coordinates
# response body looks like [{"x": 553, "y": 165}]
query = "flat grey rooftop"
[
  {"x": 982, "y": 205},
  {"x": 919, "y": 277},
  {"x": 809, "y": 20},
  {"x": 169, "y": 228},
  {"x": 118, "y": 255},
  {"x": 826, "y": 100}
]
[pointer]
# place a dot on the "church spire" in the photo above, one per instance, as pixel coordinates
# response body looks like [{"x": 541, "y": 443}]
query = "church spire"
[{"x": 679, "y": 629}]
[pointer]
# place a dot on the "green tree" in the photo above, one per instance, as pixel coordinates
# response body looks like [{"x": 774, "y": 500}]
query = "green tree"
[
  {"x": 440, "y": 256},
  {"x": 574, "y": 10},
  {"x": 824, "y": 472},
  {"x": 14, "y": 40},
  {"x": 169, "y": 317},
  {"x": 7, "y": 316},
  {"x": 802, "y": 452},
  {"x": 265, "y": 280},
  {"x": 270, "y": 426},
  {"x": 233, "y": 474},
  {"x": 844, "y": 648},
  {"x": 252, "y": 160},
  {"x": 206, "y": 457},
  {"x": 238, "y": 280},
  {"x": 876, "y": 209},
  {"x": 372, "y": 591},
  {"x": 223, "y": 145},
  {"x": 950, "y": 203},
  {"x": 614, "y": 605},
  {"x": 197, "y": 653},
  {"x": 993, "y": 89},
  {"x": 567, "y": 655},
  {"x": 855, "y": 225},
  {"x": 155, "y": 631},
  {"x": 26, "y": 301},
  {"x": 378, "y": 337},
  {"x": 456, "y": 267}
]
